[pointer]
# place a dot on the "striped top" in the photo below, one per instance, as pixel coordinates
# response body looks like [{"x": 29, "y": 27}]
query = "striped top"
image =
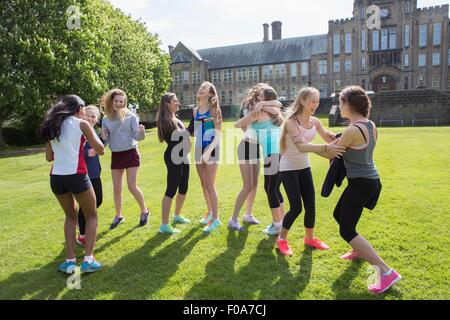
[{"x": 68, "y": 149}]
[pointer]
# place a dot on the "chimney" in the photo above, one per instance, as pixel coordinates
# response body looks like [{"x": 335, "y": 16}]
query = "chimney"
[
  {"x": 276, "y": 30},
  {"x": 266, "y": 32},
  {"x": 170, "y": 49}
]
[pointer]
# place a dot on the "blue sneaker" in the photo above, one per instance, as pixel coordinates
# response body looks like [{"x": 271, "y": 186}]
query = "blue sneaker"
[
  {"x": 90, "y": 267},
  {"x": 67, "y": 267},
  {"x": 167, "y": 228},
  {"x": 212, "y": 226},
  {"x": 180, "y": 219},
  {"x": 206, "y": 220},
  {"x": 272, "y": 230}
]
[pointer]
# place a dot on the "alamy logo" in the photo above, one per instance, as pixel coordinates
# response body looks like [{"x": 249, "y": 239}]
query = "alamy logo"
[
  {"x": 374, "y": 20},
  {"x": 74, "y": 19},
  {"x": 74, "y": 281}
]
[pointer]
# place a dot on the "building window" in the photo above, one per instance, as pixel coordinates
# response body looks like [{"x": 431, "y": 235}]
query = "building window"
[
  {"x": 407, "y": 6},
  {"x": 437, "y": 34},
  {"x": 363, "y": 64},
  {"x": 322, "y": 67},
  {"x": 348, "y": 43},
  {"x": 406, "y": 60},
  {"x": 336, "y": 66},
  {"x": 323, "y": 89},
  {"x": 216, "y": 76},
  {"x": 448, "y": 82},
  {"x": 392, "y": 38},
  {"x": 185, "y": 76},
  {"x": 242, "y": 74},
  {"x": 435, "y": 81},
  {"x": 228, "y": 76},
  {"x": 280, "y": 71},
  {"x": 422, "y": 60},
  {"x": 222, "y": 97},
  {"x": 267, "y": 72},
  {"x": 253, "y": 73},
  {"x": 406, "y": 83},
  {"x": 376, "y": 40},
  {"x": 336, "y": 44},
  {"x": 363, "y": 39},
  {"x": 176, "y": 77},
  {"x": 406, "y": 36},
  {"x": 423, "y": 35},
  {"x": 293, "y": 70},
  {"x": 436, "y": 58},
  {"x": 293, "y": 92},
  {"x": 348, "y": 65},
  {"x": 196, "y": 77},
  {"x": 448, "y": 62},
  {"x": 230, "y": 97},
  {"x": 362, "y": 11},
  {"x": 283, "y": 92},
  {"x": 384, "y": 39},
  {"x": 305, "y": 67}
]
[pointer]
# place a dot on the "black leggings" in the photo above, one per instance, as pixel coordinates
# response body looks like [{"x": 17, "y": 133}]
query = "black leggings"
[
  {"x": 272, "y": 180},
  {"x": 97, "y": 185},
  {"x": 177, "y": 176},
  {"x": 299, "y": 186},
  {"x": 351, "y": 204}
]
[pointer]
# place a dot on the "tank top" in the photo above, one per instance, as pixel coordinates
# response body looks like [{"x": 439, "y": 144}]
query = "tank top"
[
  {"x": 204, "y": 133},
  {"x": 268, "y": 136},
  {"x": 358, "y": 162},
  {"x": 68, "y": 149},
  {"x": 292, "y": 159}
]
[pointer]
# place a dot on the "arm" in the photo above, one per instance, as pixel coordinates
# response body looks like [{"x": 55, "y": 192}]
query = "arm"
[
  {"x": 137, "y": 129},
  {"x": 92, "y": 137},
  {"x": 191, "y": 127},
  {"x": 327, "y": 136},
  {"x": 245, "y": 121},
  {"x": 49, "y": 155},
  {"x": 105, "y": 132},
  {"x": 271, "y": 107}
]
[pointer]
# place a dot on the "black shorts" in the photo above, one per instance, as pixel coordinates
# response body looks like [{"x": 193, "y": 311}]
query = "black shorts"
[
  {"x": 75, "y": 183},
  {"x": 248, "y": 151}
]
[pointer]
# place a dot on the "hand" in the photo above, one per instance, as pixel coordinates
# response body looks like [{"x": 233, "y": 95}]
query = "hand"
[
  {"x": 335, "y": 150},
  {"x": 105, "y": 134},
  {"x": 141, "y": 128},
  {"x": 84, "y": 117},
  {"x": 92, "y": 153},
  {"x": 257, "y": 109}
]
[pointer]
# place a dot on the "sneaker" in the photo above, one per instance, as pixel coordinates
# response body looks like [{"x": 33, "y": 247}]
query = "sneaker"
[
  {"x": 352, "y": 255},
  {"x": 178, "y": 218},
  {"x": 207, "y": 219},
  {"x": 385, "y": 282},
  {"x": 272, "y": 230},
  {"x": 316, "y": 243},
  {"x": 90, "y": 267},
  {"x": 116, "y": 222},
  {"x": 144, "y": 219},
  {"x": 284, "y": 248},
  {"x": 250, "y": 219},
  {"x": 81, "y": 241},
  {"x": 212, "y": 226},
  {"x": 234, "y": 225},
  {"x": 167, "y": 228},
  {"x": 67, "y": 267}
]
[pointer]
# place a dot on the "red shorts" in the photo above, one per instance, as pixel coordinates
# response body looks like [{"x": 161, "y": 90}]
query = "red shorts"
[{"x": 125, "y": 159}]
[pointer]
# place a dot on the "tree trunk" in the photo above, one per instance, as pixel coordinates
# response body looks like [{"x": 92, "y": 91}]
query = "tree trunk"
[{"x": 2, "y": 142}]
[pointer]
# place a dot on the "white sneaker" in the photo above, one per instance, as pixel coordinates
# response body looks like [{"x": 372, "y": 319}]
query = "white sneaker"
[
  {"x": 250, "y": 219},
  {"x": 234, "y": 225}
]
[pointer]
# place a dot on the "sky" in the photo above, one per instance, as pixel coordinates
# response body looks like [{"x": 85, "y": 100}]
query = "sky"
[{"x": 201, "y": 24}]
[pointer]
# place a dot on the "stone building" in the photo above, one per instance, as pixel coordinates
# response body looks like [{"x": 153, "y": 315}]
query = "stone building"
[{"x": 409, "y": 49}]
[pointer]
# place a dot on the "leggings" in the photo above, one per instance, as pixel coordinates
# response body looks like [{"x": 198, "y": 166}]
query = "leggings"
[
  {"x": 351, "y": 204},
  {"x": 177, "y": 176},
  {"x": 97, "y": 185},
  {"x": 299, "y": 186},
  {"x": 272, "y": 183}
]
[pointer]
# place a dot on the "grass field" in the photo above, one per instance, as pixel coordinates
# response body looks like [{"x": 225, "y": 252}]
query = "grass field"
[{"x": 409, "y": 228}]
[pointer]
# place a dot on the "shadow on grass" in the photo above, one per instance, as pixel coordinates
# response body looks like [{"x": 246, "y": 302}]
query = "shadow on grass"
[
  {"x": 141, "y": 273},
  {"x": 266, "y": 276},
  {"x": 342, "y": 291}
]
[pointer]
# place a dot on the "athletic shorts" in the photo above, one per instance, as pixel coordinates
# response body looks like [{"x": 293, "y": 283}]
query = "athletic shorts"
[{"x": 74, "y": 183}]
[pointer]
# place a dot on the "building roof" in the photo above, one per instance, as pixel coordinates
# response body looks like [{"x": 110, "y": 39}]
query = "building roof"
[{"x": 260, "y": 53}]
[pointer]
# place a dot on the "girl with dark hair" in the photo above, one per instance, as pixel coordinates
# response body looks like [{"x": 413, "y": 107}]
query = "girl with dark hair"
[
  {"x": 66, "y": 132},
  {"x": 174, "y": 133}
]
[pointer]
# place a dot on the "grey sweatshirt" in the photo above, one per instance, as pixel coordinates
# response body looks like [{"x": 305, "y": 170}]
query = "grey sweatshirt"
[{"x": 123, "y": 135}]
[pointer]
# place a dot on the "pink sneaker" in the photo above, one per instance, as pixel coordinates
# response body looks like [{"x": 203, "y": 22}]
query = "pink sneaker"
[
  {"x": 385, "y": 282},
  {"x": 284, "y": 248},
  {"x": 316, "y": 243},
  {"x": 352, "y": 255},
  {"x": 81, "y": 241}
]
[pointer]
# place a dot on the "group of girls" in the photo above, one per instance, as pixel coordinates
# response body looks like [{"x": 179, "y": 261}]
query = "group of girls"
[{"x": 285, "y": 139}]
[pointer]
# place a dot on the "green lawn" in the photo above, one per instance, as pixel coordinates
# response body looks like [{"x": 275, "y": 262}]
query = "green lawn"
[{"x": 409, "y": 228}]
